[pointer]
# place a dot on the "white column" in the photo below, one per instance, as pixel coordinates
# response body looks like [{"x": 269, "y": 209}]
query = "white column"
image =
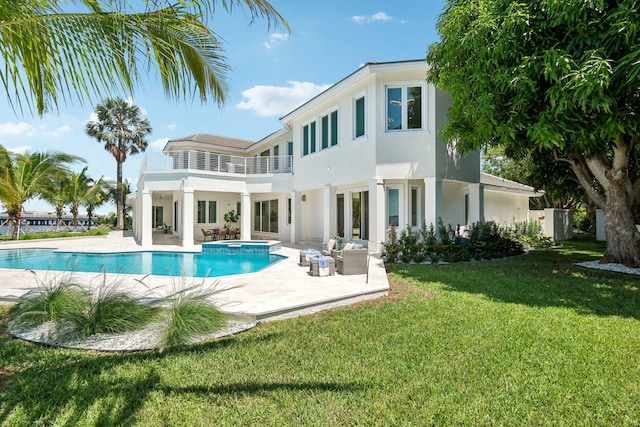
[
  {"x": 245, "y": 218},
  {"x": 326, "y": 214},
  {"x": 296, "y": 218},
  {"x": 145, "y": 211},
  {"x": 432, "y": 201},
  {"x": 377, "y": 215},
  {"x": 476, "y": 203},
  {"x": 187, "y": 217},
  {"x": 293, "y": 225}
]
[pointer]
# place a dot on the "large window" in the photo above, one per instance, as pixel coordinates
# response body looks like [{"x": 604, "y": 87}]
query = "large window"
[
  {"x": 329, "y": 130},
  {"x": 393, "y": 207},
  {"x": 202, "y": 213},
  {"x": 309, "y": 138},
  {"x": 404, "y": 107},
  {"x": 266, "y": 216},
  {"x": 213, "y": 212},
  {"x": 359, "y": 117},
  {"x": 415, "y": 205}
]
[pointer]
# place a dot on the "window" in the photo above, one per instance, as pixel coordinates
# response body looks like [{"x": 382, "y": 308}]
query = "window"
[
  {"x": 309, "y": 138},
  {"x": 289, "y": 155},
  {"x": 266, "y": 216},
  {"x": 359, "y": 117},
  {"x": 393, "y": 207},
  {"x": 404, "y": 108},
  {"x": 238, "y": 207},
  {"x": 289, "y": 211},
  {"x": 329, "y": 130},
  {"x": 415, "y": 201},
  {"x": 213, "y": 212},
  {"x": 158, "y": 216},
  {"x": 202, "y": 212}
]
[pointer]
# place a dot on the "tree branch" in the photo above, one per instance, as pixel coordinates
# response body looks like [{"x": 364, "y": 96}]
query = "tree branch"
[{"x": 585, "y": 176}]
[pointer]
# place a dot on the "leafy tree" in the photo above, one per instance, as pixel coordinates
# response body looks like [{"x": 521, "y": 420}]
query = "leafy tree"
[
  {"x": 25, "y": 176},
  {"x": 559, "y": 184},
  {"x": 555, "y": 77},
  {"x": 123, "y": 132},
  {"x": 65, "y": 50}
]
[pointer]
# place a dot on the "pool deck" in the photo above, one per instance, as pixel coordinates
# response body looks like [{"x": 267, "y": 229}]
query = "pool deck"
[{"x": 282, "y": 290}]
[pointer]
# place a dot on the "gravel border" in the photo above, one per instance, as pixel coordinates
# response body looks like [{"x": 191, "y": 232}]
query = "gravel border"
[
  {"x": 618, "y": 268},
  {"x": 148, "y": 338}
]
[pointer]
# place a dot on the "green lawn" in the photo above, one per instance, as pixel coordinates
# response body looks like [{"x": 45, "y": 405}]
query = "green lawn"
[{"x": 531, "y": 340}]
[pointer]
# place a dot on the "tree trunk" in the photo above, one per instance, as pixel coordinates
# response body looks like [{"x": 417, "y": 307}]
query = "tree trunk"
[
  {"x": 119, "y": 207},
  {"x": 623, "y": 238}
]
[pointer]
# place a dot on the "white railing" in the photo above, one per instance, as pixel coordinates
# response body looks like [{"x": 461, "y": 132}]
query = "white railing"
[{"x": 217, "y": 162}]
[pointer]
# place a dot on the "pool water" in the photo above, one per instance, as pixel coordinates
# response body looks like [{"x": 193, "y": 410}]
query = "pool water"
[{"x": 148, "y": 262}]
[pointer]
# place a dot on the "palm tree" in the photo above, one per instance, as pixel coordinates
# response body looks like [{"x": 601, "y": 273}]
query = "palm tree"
[
  {"x": 25, "y": 176},
  {"x": 51, "y": 53},
  {"x": 55, "y": 192},
  {"x": 123, "y": 132},
  {"x": 82, "y": 189},
  {"x": 98, "y": 195}
]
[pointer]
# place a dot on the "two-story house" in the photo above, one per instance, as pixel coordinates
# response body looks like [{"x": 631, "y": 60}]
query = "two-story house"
[{"x": 360, "y": 156}]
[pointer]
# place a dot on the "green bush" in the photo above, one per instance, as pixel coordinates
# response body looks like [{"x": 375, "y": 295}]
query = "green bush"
[{"x": 584, "y": 219}]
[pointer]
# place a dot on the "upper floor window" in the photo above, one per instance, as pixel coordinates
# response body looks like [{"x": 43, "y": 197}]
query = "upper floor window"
[
  {"x": 309, "y": 138},
  {"x": 404, "y": 107},
  {"x": 359, "y": 117},
  {"x": 329, "y": 130}
]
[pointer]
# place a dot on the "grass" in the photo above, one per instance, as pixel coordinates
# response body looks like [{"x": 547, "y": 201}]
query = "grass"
[
  {"x": 529, "y": 340},
  {"x": 98, "y": 231}
]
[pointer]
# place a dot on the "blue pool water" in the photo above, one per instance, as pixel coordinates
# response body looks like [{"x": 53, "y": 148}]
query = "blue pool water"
[{"x": 154, "y": 263}]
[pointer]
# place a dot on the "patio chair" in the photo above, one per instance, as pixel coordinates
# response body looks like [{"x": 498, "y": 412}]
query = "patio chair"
[
  {"x": 352, "y": 261},
  {"x": 207, "y": 233},
  {"x": 223, "y": 234},
  {"x": 231, "y": 232}
]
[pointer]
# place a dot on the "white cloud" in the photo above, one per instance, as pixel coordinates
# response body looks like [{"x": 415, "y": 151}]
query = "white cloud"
[
  {"x": 19, "y": 150},
  {"x": 17, "y": 129},
  {"x": 368, "y": 19},
  {"x": 275, "y": 39},
  {"x": 158, "y": 144},
  {"x": 278, "y": 100},
  {"x": 171, "y": 126},
  {"x": 57, "y": 132},
  {"x": 132, "y": 101}
]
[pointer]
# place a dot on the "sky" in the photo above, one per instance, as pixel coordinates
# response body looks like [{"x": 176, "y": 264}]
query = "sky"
[{"x": 273, "y": 71}]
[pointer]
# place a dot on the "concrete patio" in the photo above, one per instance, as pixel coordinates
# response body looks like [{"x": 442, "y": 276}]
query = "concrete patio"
[{"x": 282, "y": 290}]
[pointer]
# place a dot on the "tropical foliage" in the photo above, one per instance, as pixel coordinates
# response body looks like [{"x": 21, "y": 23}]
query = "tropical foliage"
[
  {"x": 62, "y": 51},
  {"x": 123, "y": 132},
  {"x": 480, "y": 241},
  {"x": 559, "y": 78},
  {"x": 27, "y": 175}
]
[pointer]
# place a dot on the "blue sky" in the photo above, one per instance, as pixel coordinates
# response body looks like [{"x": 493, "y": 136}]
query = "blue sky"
[{"x": 272, "y": 73}]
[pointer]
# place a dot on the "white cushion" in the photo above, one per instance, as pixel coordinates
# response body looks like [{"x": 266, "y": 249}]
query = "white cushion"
[
  {"x": 330, "y": 245},
  {"x": 348, "y": 246}
]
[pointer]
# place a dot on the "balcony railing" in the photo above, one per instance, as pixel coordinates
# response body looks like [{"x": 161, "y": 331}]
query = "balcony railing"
[{"x": 217, "y": 162}]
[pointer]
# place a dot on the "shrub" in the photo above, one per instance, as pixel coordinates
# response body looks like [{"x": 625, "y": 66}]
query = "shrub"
[
  {"x": 189, "y": 312},
  {"x": 584, "y": 219}
]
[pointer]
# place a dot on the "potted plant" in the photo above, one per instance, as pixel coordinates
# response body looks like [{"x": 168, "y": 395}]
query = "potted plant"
[{"x": 230, "y": 217}]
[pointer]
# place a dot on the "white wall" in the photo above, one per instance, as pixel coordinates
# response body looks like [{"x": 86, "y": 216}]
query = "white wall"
[{"x": 505, "y": 208}]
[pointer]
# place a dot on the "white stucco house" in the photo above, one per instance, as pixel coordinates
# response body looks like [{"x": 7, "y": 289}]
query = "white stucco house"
[{"x": 361, "y": 155}]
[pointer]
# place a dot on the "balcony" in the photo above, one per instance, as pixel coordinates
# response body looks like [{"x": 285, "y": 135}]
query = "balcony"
[{"x": 217, "y": 163}]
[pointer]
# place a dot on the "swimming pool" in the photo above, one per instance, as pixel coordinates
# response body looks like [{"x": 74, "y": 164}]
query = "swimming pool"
[{"x": 147, "y": 262}]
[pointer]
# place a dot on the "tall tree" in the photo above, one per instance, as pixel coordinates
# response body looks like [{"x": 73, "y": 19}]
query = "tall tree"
[
  {"x": 559, "y": 77},
  {"x": 55, "y": 192},
  {"x": 123, "y": 132},
  {"x": 98, "y": 196},
  {"x": 25, "y": 176},
  {"x": 65, "y": 50},
  {"x": 82, "y": 190},
  {"x": 559, "y": 185}
]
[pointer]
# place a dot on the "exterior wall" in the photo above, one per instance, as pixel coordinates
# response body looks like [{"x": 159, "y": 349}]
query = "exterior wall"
[
  {"x": 375, "y": 162},
  {"x": 505, "y": 208}
]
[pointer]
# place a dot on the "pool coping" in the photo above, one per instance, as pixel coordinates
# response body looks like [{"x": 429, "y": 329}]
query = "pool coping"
[{"x": 279, "y": 291}]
